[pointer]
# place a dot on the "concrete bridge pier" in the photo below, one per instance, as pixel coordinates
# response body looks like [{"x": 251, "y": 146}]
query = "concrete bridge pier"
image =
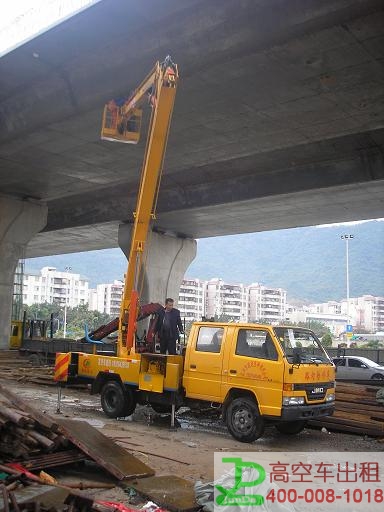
[
  {"x": 167, "y": 261},
  {"x": 19, "y": 222}
]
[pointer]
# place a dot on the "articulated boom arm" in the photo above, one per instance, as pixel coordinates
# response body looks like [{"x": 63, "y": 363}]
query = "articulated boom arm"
[{"x": 160, "y": 85}]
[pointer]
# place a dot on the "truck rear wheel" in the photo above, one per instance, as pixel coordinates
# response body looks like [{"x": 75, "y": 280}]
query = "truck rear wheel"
[
  {"x": 291, "y": 427},
  {"x": 244, "y": 422},
  {"x": 117, "y": 401}
]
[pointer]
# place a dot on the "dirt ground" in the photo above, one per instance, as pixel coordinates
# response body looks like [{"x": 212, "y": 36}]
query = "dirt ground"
[{"x": 186, "y": 451}]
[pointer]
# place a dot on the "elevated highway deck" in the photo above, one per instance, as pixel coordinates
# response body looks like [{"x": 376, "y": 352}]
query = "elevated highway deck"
[{"x": 279, "y": 119}]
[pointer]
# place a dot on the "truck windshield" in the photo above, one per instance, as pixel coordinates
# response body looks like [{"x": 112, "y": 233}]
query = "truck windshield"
[{"x": 301, "y": 346}]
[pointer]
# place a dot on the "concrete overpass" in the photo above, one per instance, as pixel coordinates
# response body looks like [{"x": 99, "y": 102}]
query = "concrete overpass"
[{"x": 278, "y": 121}]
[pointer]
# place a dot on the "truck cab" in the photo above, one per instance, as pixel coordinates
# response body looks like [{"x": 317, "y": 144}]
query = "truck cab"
[{"x": 259, "y": 373}]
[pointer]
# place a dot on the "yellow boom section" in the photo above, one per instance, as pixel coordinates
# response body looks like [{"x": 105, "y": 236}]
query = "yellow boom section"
[{"x": 121, "y": 124}]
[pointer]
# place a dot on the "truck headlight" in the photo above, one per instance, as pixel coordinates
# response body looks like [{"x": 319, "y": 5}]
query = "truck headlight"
[
  {"x": 293, "y": 400},
  {"x": 330, "y": 398}
]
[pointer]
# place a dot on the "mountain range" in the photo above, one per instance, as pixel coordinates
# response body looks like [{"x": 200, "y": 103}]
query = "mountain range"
[{"x": 310, "y": 262}]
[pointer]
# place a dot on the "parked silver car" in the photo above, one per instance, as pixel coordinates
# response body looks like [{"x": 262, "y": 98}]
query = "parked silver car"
[{"x": 357, "y": 368}]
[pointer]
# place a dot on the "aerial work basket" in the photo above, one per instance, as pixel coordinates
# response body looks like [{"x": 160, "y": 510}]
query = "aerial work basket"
[{"x": 119, "y": 127}]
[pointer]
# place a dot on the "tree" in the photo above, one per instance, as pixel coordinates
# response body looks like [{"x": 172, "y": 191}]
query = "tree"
[
  {"x": 77, "y": 318},
  {"x": 326, "y": 340},
  {"x": 317, "y": 327},
  {"x": 42, "y": 311}
]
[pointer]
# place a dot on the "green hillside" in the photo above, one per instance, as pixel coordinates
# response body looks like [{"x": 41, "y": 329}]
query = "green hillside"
[{"x": 310, "y": 263}]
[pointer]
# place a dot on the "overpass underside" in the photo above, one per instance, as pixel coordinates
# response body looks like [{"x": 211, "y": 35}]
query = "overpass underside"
[{"x": 278, "y": 122}]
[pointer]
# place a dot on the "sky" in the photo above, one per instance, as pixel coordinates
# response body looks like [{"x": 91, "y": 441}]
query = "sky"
[{"x": 21, "y": 20}]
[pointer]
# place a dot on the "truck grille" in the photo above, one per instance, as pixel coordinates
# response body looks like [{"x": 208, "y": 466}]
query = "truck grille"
[{"x": 314, "y": 391}]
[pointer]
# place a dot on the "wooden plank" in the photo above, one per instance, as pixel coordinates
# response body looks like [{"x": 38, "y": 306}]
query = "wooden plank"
[
  {"x": 347, "y": 397},
  {"x": 112, "y": 457},
  {"x": 171, "y": 492},
  {"x": 365, "y": 420},
  {"x": 368, "y": 411}
]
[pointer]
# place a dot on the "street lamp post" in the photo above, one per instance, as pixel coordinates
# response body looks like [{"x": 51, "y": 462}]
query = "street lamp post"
[
  {"x": 67, "y": 269},
  {"x": 347, "y": 238}
]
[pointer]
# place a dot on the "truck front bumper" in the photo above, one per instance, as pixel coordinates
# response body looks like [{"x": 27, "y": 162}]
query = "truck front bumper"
[{"x": 306, "y": 412}]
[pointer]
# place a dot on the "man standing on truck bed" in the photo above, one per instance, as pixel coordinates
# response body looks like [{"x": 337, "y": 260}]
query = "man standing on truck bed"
[{"x": 168, "y": 327}]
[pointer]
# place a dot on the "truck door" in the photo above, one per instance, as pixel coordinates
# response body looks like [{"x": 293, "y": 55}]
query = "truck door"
[
  {"x": 255, "y": 364},
  {"x": 203, "y": 365}
]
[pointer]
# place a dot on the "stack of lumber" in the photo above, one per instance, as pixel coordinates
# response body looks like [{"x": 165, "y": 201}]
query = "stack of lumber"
[
  {"x": 23, "y": 436},
  {"x": 356, "y": 410}
]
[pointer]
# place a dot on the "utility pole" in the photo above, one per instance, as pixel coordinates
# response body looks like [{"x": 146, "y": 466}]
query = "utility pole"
[
  {"x": 67, "y": 269},
  {"x": 347, "y": 238}
]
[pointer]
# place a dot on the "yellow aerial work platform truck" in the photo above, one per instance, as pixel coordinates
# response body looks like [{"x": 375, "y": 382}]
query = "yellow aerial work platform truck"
[{"x": 254, "y": 373}]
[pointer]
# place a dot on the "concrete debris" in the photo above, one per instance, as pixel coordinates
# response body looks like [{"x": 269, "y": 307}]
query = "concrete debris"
[{"x": 190, "y": 444}]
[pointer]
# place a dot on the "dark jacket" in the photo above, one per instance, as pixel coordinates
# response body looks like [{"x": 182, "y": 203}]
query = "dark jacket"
[{"x": 175, "y": 325}]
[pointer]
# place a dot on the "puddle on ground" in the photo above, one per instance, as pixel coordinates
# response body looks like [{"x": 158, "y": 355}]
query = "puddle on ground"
[
  {"x": 207, "y": 421},
  {"x": 93, "y": 422}
]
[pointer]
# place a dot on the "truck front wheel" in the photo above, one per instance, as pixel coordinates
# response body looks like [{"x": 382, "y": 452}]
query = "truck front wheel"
[
  {"x": 291, "y": 427},
  {"x": 117, "y": 401},
  {"x": 244, "y": 422}
]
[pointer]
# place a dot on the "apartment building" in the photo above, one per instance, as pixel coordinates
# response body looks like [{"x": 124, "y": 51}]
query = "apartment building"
[
  {"x": 331, "y": 318},
  {"x": 55, "y": 287},
  {"x": 366, "y": 311},
  {"x": 328, "y": 313},
  {"x": 191, "y": 301},
  {"x": 235, "y": 302},
  {"x": 226, "y": 300},
  {"x": 107, "y": 297},
  {"x": 329, "y": 308},
  {"x": 266, "y": 304}
]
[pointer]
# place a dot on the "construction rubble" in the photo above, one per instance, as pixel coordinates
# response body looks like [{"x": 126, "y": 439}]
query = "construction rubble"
[{"x": 34, "y": 448}]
